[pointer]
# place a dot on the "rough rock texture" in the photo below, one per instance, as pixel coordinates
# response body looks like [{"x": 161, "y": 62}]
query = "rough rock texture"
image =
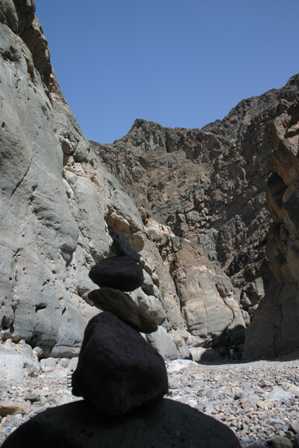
[
  {"x": 206, "y": 302},
  {"x": 13, "y": 360},
  {"x": 162, "y": 342},
  {"x": 257, "y": 401},
  {"x": 144, "y": 317},
  {"x": 275, "y": 328},
  {"x": 168, "y": 424},
  {"x": 117, "y": 370},
  {"x": 60, "y": 210},
  {"x": 217, "y": 312},
  {"x": 208, "y": 184}
]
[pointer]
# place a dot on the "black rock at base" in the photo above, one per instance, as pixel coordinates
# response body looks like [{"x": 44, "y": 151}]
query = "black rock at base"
[
  {"x": 123, "y": 273},
  {"x": 164, "y": 425},
  {"x": 117, "y": 369}
]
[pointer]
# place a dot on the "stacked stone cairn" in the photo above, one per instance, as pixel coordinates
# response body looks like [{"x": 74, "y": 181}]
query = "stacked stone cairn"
[{"x": 122, "y": 380}]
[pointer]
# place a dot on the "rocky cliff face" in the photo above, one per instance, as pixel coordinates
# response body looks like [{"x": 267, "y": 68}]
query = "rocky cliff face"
[
  {"x": 275, "y": 328},
  {"x": 54, "y": 195},
  {"x": 61, "y": 211},
  {"x": 191, "y": 201},
  {"x": 209, "y": 186}
]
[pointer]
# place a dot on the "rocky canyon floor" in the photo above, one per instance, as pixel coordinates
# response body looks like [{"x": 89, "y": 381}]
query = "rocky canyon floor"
[{"x": 257, "y": 400}]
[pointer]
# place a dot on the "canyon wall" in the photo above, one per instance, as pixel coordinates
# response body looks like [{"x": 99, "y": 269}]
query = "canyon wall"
[
  {"x": 274, "y": 330},
  {"x": 61, "y": 211},
  {"x": 192, "y": 202}
]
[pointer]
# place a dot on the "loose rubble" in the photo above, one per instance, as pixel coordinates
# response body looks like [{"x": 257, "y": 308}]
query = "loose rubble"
[
  {"x": 259, "y": 401},
  {"x": 122, "y": 380}
]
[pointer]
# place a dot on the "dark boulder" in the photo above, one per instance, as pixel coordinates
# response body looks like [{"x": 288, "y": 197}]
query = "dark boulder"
[
  {"x": 124, "y": 273},
  {"x": 117, "y": 369},
  {"x": 167, "y": 424}
]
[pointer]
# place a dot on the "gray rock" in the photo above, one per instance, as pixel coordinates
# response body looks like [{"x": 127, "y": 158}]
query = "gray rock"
[
  {"x": 163, "y": 343},
  {"x": 280, "y": 442},
  {"x": 48, "y": 364},
  {"x": 208, "y": 299},
  {"x": 125, "y": 308},
  {"x": 60, "y": 207},
  {"x": 166, "y": 424},
  {"x": 15, "y": 361},
  {"x": 53, "y": 207}
]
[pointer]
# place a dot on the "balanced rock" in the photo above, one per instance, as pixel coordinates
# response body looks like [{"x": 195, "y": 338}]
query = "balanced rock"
[
  {"x": 121, "y": 272},
  {"x": 117, "y": 369},
  {"x": 142, "y": 318},
  {"x": 167, "y": 424}
]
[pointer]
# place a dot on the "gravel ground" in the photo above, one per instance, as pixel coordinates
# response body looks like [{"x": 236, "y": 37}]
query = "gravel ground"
[{"x": 258, "y": 401}]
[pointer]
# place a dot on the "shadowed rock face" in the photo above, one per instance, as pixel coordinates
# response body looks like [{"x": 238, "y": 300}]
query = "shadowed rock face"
[
  {"x": 275, "y": 328},
  {"x": 208, "y": 184},
  {"x": 167, "y": 424}
]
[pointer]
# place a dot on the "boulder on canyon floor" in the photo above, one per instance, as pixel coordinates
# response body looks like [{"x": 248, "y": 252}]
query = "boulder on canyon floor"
[{"x": 167, "y": 424}]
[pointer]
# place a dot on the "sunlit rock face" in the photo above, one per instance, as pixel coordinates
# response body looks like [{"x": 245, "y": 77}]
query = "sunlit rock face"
[{"x": 54, "y": 195}]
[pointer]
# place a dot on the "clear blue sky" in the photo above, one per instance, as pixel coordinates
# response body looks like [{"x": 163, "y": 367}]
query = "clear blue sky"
[{"x": 178, "y": 62}]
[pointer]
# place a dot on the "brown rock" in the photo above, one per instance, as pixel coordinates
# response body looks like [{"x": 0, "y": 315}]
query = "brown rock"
[{"x": 13, "y": 407}]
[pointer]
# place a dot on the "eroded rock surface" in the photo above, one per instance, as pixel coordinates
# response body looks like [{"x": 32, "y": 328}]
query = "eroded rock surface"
[
  {"x": 198, "y": 191},
  {"x": 208, "y": 185},
  {"x": 61, "y": 211},
  {"x": 275, "y": 328}
]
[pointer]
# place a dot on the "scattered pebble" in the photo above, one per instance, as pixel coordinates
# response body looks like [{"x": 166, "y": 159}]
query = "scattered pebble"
[{"x": 259, "y": 401}]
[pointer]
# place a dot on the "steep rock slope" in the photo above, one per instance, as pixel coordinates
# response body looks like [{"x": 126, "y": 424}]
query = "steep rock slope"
[
  {"x": 209, "y": 184},
  {"x": 275, "y": 328},
  {"x": 61, "y": 211},
  {"x": 54, "y": 196}
]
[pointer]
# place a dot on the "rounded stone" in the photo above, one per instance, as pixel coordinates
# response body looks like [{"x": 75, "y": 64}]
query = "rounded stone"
[{"x": 121, "y": 272}]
